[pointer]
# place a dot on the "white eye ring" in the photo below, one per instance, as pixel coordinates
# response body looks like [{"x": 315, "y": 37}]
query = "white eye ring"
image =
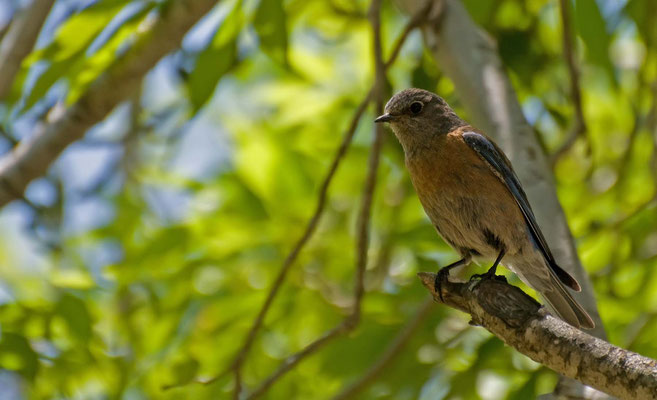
[{"x": 416, "y": 107}]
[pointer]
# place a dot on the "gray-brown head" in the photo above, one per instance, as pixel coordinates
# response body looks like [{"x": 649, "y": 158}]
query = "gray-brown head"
[{"x": 416, "y": 116}]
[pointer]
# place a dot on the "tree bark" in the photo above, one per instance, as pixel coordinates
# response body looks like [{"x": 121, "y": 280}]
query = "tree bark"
[
  {"x": 31, "y": 159},
  {"x": 521, "y": 322}
]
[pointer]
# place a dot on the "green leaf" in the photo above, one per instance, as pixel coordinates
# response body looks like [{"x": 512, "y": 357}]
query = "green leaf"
[
  {"x": 643, "y": 12},
  {"x": 76, "y": 316},
  {"x": 593, "y": 30},
  {"x": 45, "y": 81},
  {"x": 527, "y": 390},
  {"x": 270, "y": 25},
  {"x": 79, "y": 31},
  {"x": 216, "y": 60},
  {"x": 16, "y": 354},
  {"x": 87, "y": 70},
  {"x": 185, "y": 371},
  {"x": 421, "y": 79},
  {"x": 481, "y": 11},
  {"x": 68, "y": 47}
]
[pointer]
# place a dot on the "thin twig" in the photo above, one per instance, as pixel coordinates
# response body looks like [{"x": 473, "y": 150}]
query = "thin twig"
[
  {"x": 363, "y": 222},
  {"x": 637, "y": 332},
  {"x": 395, "y": 347},
  {"x": 652, "y": 128},
  {"x": 307, "y": 234},
  {"x": 362, "y": 245},
  {"x": 416, "y": 20},
  {"x": 291, "y": 361},
  {"x": 578, "y": 128},
  {"x": 627, "y": 155},
  {"x": 310, "y": 229},
  {"x": 351, "y": 321}
]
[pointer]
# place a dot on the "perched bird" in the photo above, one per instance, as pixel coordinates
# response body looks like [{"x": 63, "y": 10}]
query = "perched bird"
[{"x": 474, "y": 199}]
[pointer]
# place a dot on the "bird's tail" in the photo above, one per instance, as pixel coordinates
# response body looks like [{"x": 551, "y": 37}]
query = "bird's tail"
[
  {"x": 558, "y": 299},
  {"x": 564, "y": 305}
]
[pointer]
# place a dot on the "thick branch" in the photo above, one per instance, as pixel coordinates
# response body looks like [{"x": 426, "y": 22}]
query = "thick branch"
[
  {"x": 521, "y": 322},
  {"x": 19, "y": 41},
  {"x": 32, "y": 158}
]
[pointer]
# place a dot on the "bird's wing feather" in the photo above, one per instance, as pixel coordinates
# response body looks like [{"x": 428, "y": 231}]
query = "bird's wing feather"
[{"x": 490, "y": 153}]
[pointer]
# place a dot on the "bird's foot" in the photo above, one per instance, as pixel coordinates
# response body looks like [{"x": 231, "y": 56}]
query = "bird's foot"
[
  {"x": 443, "y": 273},
  {"x": 490, "y": 274}
]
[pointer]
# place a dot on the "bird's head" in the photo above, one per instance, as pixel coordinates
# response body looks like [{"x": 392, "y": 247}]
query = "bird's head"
[{"x": 417, "y": 115}]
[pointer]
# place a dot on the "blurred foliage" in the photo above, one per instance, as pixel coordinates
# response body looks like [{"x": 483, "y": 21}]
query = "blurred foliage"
[{"x": 141, "y": 259}]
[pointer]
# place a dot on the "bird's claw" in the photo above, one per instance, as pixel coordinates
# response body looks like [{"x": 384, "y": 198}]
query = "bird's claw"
[
  {"x": 489, "y": 275},
  {"x": 443, "y": 273}
]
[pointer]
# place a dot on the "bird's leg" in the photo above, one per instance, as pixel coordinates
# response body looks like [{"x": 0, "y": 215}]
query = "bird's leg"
[
  {"x": 490, "y": 274},
  {"x": 443, "y": 273}
]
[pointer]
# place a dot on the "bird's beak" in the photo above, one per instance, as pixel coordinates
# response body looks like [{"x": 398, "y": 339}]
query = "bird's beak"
[{"x": 384, "y": 118}]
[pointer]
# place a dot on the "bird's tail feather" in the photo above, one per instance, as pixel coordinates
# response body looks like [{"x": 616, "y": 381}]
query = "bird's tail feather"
[{"x": 564, "y": 305}]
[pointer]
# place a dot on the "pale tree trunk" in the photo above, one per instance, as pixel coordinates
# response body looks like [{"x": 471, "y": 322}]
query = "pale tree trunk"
[{"x": 469, "y": 57}]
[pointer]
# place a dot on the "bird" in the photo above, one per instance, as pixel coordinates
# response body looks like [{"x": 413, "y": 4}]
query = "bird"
[{"x": 471, "y": 194}]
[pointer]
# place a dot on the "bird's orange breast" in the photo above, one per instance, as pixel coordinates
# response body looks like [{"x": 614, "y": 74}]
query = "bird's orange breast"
[
  {"x": 451, "y": 165},
  {"x": 463, "y": 196}
]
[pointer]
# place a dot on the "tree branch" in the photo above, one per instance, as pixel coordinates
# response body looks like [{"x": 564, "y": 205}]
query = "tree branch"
[
  {"x": 19, "y": 41},
  {"x": 362, "y": 224},
  {"x": 32, "y": 158},
  {"x": 346, "y": 325},
  {"x": 395, "y": 347},
  {"x": 578, "y": 128},
  {"x": 300, "y": 244},
  {"x": 521, "y": 322}
]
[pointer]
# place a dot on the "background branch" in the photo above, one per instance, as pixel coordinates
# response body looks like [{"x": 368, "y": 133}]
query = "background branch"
[
  {"x": 300, "y": 244},
  {"x": 389, "y": 355},
  {"x": 31, "y": 159},
  {"x": 19, "y": 41},
  {"x": 363, "y": 222},
  {"x": 578, "y": 128},
  {"x": 521, "y": 322}
]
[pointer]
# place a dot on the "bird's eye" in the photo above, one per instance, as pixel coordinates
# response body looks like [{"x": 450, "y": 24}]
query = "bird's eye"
[{"x": 416, "y": 107}]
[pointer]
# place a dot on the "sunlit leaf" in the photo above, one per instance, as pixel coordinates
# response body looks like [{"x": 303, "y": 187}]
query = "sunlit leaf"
[
  {"x": 270, "y": 23},
  {"x": 216, "y": 60},
  {"x": 87, "y": 70},
  {"x": 16, "y": 354},
  {"x": 643, "y": 12},
  {"x": 69, "y": 45},
  {"x": 592, "y": 27},
  {"x": 77, "y": 317}
]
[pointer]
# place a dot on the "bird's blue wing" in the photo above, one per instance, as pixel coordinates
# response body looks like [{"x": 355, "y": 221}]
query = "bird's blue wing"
[{"x": 488, "y": 151}]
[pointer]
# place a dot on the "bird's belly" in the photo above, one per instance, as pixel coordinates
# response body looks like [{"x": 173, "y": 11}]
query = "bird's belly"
[{"x": 480, "y": 226}]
